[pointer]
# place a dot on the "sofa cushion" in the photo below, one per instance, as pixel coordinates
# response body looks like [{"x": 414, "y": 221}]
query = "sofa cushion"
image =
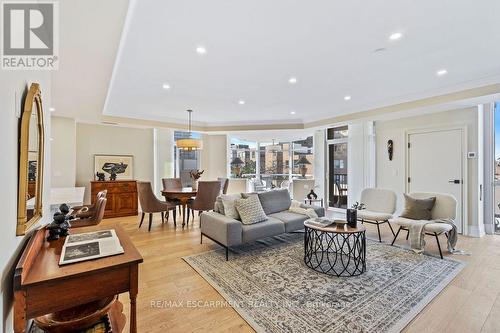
[
  {"x": 373, "y": 216},
  {"x": 292, "y": 221},
  {"x": 275, "y": 201},
  {"x": 229, "y": 204},
  {"x": 250, "y": 210},
  {"x": 270, "y": 227},
  {"x": 418, "y": 209},
  {"x": 436, "y": 227}
]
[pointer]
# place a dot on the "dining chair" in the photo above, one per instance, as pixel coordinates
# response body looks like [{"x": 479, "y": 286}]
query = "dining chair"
[
  {"x": 151, "y": 204},
  {"x": 208, "y": 191},
  {"x": 86, "y": 211},
  {"x": 95, "y": 218},
  {"x": 224, "y": 184},
  {"x": 172, "y": 183}
]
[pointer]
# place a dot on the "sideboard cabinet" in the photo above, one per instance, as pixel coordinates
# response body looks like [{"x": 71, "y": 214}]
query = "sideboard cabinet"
[{"x": 122, "y": 197}]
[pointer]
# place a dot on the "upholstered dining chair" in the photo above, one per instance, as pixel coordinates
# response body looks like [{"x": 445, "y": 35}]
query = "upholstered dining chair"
[
  {"x": 224, "y": 184},
  {"x": 151, "y": 204},
  {"x": 380, "y": 205},
  {"x": 208, "y": 191},
  {"x": 86, "y": 211},
  {"x": 95, "y": 218},
  {"x": 445, "y": 208},
  {"x": 172, "y": 183}
]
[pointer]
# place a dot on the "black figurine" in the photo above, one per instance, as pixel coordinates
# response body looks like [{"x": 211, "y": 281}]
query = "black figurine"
[
  {"x": 311, "y": 195},
  {"x": 113, "y": 176},
  {"x": 60, "y": 225},
  {"x": 100, "y": 176}
]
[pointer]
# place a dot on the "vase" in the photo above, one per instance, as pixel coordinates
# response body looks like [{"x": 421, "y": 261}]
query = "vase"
[
  {"x": 194, "y": 185},
  {"x": 352, "y": 217}
]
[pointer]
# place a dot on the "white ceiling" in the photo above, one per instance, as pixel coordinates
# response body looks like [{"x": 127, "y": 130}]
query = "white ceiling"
[{"x": 254, "y": 47}]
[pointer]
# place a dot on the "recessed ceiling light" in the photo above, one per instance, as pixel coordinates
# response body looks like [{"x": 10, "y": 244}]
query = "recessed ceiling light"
[
  {"x": 52, "y": 109},
  {"x": 395, "y": 36},
  {"x": 292, "y": 80},
  {"x": 293, "y": 112},
  {"x": 441, "y": 72},
  {"x": 241, "y": 102},
  {"x": 166, "y": 86},
  {"x": 347, "y": 98},
  {"x": 201, "y": 50}
]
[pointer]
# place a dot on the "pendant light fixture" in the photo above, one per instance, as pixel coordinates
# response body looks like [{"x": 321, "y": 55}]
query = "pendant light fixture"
[{"x": 189, "y": 143}]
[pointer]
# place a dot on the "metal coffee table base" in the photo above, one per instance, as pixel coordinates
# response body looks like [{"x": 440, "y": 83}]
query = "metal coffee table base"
[{"x": 339, "y": 254}]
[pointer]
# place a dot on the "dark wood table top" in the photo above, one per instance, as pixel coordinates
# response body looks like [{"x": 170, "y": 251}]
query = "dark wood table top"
[
  {"x": 46, "y": 265},
  {"x": 180, "y": 190}
]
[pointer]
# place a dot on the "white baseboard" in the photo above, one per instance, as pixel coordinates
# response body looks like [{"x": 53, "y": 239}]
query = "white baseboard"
[
  {"x": 489, "y": 229},
  {"x": 475, "y": 231}
]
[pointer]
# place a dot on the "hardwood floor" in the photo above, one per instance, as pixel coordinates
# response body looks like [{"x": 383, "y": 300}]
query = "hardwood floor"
[{"x": 169, "y": 288}]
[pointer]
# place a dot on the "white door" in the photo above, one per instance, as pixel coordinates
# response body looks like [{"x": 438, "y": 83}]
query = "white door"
[{"x": 435, "y": 165}]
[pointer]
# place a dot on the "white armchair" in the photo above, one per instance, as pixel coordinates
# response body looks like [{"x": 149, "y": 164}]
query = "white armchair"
[
  {"x": 445, "y": 208},
  {"x": 380, "y": 205}
]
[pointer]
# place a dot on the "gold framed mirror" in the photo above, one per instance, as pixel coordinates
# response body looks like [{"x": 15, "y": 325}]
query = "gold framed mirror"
[{"x": 31, "y": 156}]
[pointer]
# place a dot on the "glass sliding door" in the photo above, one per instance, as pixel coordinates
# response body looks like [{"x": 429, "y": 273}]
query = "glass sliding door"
[
  {"x": 337, "y": 167},
  {"x": 497, "y": 168}
]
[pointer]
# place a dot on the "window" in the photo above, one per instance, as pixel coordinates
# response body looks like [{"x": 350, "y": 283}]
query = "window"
[
  {"x": 272, "y": 162},
  {"x": 243, "y": 158},
  {"x": 337, "y": 166},
  {"x": 185, "y": 161},
  {"x": 303, "y": 158}
]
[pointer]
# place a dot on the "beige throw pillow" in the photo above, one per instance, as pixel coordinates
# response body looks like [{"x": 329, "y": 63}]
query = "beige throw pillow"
[
  {"x": 250, "y": 210},
  {"x": 418, "y": 209},
  {"x": 228, "y": 202}
]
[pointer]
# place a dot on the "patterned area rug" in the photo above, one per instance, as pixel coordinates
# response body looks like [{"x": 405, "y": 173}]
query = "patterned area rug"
[{"x": 269, "y": 285}]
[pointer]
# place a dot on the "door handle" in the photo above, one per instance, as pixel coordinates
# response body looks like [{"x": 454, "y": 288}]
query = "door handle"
[{"x": 454, "y": 181}]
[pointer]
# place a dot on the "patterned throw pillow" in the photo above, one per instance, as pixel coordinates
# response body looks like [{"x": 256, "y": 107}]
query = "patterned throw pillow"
[
  {"x": 228, "y": 202},
  {"x": 250, "y": 210}
]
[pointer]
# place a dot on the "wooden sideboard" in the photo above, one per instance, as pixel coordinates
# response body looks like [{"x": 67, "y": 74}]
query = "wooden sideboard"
[{"x": 122, "y": 197}]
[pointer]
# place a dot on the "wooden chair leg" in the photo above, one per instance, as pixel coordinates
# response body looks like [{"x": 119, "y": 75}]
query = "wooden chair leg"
[
  {"x": 187, "y": 221},
  {"x": 150, "y": 221},
  {"x": 168, "y": 214},
  {"x": 162, "y": 218},
  {"x": 142, "y": 219},
  {"x": 192, "y": 213},
  {"x": 439, "y": 245},
  {"x": 175, "y": 217},
  {"x": 396, "y": 236}
]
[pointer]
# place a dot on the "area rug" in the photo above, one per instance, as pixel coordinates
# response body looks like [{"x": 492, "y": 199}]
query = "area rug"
[{"x": 269, "y": 285}]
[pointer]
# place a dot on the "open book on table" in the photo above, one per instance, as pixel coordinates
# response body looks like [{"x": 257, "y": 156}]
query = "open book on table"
[{"x": 90, "y": 245}]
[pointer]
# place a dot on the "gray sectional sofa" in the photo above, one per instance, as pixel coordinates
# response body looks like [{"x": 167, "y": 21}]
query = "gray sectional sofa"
[{"x": 228, "y": 232}]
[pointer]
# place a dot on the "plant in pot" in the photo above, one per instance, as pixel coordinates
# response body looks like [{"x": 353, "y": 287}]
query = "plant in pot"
[
  {"x": 352, "y": 214},
  {"x": 195, "y": 175}
]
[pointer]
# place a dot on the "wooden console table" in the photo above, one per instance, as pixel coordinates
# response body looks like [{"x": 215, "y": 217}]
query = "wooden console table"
[
  {"x": 41, "y": 286},
  {"x": 122, "y": 197}
]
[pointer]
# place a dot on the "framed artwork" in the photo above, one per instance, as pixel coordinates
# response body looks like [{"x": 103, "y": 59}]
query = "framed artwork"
[{"x": 122, "y": 166}]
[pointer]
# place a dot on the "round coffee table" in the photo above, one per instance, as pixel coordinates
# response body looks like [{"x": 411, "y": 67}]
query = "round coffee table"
[{"x": 335, "y": 250}]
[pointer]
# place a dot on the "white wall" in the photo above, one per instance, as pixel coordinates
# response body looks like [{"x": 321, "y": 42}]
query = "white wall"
[
  {"x": 12, "y": 86},
  {"x": 63, "y": 157},
  {"x": 214, "y": 156},
  {"x": 99, "y": 139},
  {"x": 164, "y": 156},
  {"x": 391, "y": 174}
]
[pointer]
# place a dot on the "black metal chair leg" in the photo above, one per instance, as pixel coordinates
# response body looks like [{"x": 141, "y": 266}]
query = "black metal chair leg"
[
  {"x": 439, "y": 245},
  {"x": 142, "y": 220},
  {"x": 201, "y": 238},
  {"x": 227, "y": 253},
  {"x": 150, "y": 221},
  {"x": 396, "y": 236},
  {"x": 407, "y": 234},
  {"x": 378, "y": 229},
  {"x": 390, "y": 226}
]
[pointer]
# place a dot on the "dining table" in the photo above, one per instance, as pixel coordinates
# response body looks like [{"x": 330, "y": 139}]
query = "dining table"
[{"x": 183, "y": 195}]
